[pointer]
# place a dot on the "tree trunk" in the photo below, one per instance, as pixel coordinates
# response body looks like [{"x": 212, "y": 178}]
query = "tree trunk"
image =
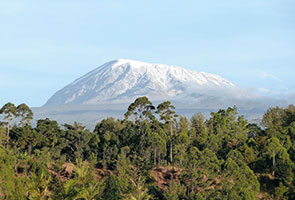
[
  {"x": 159, "y": 159},
  {"x": 273, "y": 163},
  {"x": 30, "y": 149},
  {"x": 8, "y": 129}
]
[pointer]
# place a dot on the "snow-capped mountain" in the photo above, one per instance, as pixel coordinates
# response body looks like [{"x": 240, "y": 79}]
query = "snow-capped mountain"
[{"x": 124, "y": 80}]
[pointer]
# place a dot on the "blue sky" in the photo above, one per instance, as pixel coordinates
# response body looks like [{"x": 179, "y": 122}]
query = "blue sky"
[{"x": 45, "y": 45}]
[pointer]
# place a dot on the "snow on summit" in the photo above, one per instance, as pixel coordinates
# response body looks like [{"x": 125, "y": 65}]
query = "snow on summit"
[{"x": 123, "y": 80}]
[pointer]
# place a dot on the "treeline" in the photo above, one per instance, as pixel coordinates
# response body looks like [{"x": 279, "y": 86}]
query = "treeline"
[{"x": 151, "y": 154}]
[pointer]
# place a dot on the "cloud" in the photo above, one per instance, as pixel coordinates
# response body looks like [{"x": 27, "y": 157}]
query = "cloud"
[
  {"x": 266, "y": 75},
  {"x": 210, "y": 96},
  {"x": 291, "y": 98}
]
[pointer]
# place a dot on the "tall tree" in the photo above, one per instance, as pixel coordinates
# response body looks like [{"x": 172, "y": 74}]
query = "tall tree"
[
  {"x": 77, "y": 141},
  {"x": 167, "y": 114},
  {"x": 240, "y": 181},
  {"x": 274, "y": 148},
  {"x": 182, "y": 140},
  {"x": 199, "y": 131},
  {"x": 28, "y": 138},
  {"x": 158, "y": 146},
  {"x": 9, "y": 110},
  {"x": 140, "y": 109},
  {"x": 50, "y": 133},
  {"x": 25, "y": 113},
  {"x": 107, "y": 132}
]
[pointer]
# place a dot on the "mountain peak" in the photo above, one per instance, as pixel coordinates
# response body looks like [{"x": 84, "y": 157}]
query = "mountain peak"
[
  {"x": 123, "y": 80},
  {"x": 121, "y": 61}
]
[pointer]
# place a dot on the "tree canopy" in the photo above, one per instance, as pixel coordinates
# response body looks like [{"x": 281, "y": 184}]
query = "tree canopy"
[{"x": 150, "y": 154}]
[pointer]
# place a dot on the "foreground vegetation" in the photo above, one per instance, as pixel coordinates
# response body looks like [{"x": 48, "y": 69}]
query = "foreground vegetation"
[{"x": 151, "y": 154}]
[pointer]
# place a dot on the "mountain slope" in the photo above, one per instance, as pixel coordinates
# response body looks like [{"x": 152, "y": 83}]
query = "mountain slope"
[{"x": 122, "y": 80}]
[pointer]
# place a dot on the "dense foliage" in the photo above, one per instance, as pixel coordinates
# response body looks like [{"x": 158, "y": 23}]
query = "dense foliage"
[{"x": 151, "y": 154}]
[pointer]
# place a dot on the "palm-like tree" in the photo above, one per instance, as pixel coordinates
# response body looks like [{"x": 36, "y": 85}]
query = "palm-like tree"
[
  {"x": 139, "y": 192},
  {"x": 84, "y": 185}
]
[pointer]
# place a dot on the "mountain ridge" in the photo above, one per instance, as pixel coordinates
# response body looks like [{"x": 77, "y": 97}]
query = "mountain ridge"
[{"x": 123, "y": 80}]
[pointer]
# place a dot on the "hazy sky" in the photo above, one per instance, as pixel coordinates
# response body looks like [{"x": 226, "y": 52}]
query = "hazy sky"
[{"x": 45, "y": 45}]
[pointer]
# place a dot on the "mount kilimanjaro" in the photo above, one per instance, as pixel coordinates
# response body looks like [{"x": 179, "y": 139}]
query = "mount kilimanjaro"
[
  {"x": 108, "y": 90},
  {"x": 122, "y": 81}
]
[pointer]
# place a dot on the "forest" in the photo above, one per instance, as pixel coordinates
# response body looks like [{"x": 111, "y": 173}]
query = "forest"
[{"x": 151, "y": 154}]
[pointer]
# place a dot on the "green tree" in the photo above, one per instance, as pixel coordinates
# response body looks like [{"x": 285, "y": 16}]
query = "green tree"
[
  {"x": 25, "y": 113},
  {"x": 273, "y": 117},
  {"x": 182, "y": 141},
  {"x": 230, "y": 131},
  {"x": 50, "y": 133},
  {"x": 167, "y": 114},
  {"x": 108, "y": 132},
  {"x": 140, "y": 192},
  {"x": 12, "y": 186},
  {"x": 85, "y": 185},
  {"x": 158, "y": 147},
  {"x": 9, "y": 111},
  {"x": 3, "y": 136},
  {"x": 77, "y": 142},
  {"x": 141, "y": 109},
  {"x": 124, "y": 171},
  {"x": 28, "y": 138},
  {"x": 202, "y": 169},
  {"x": 280, "y": 191},
  {"x": 199, "y": 131},
  {"x": 175, "y": 191},
  {"x": 277, "y": 153},
  {"x": 39, "y": 182},
  {"x": 112, "y": 189},
  {"x": 240, "y": 181}
]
